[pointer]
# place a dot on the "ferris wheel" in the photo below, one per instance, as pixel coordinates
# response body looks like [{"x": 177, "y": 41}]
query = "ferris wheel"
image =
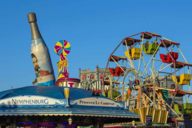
[{"x": 149, "y": 68}]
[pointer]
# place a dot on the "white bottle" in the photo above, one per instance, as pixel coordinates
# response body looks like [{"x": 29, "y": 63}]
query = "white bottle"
[{"x": 40, "y": 56}]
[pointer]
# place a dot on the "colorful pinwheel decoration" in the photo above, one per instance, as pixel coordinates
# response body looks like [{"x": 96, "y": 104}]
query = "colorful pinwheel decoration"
[{"x": 62, "y": 48}]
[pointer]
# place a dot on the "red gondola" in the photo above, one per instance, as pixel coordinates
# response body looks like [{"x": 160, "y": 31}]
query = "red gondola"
[
  {"x": 169, "y": 58},
  {"x": 118, "y": 71},
  {"x": 112, "y": 71},
  {"x": 164, "y": 58},
  {"x": 173, "y": 55}
]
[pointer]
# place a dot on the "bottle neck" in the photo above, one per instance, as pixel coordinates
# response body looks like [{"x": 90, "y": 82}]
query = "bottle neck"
[{"x": 35, "y": 31}]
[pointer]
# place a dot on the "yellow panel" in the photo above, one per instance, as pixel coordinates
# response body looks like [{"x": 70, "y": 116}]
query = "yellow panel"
[
  {"x": 127, "y": 54},
  {"x": 135, "y": 53},
  {"x": 164, "y": 115},
  {"x": 186, "y": 76},
  {"x": 136, "y": 111},
  {"x": 157, "y": 116},
  {"x": 185, "y": 79},
  {"x": 146, "y": 111},
  {"x": 142, "y": 113},
  {"x": 151, "y": 111}
]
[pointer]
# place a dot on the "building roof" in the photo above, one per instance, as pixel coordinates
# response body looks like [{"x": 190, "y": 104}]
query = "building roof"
[
  {"x": 48, "y": 91},
  {"x": 21, "y": 101}
]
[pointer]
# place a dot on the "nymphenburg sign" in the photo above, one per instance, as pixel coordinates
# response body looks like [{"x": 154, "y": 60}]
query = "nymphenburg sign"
[{"x": 31, "y": 100}]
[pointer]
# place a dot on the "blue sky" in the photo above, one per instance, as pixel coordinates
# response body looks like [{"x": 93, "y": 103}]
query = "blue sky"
[{"x": 93, "y": 27}]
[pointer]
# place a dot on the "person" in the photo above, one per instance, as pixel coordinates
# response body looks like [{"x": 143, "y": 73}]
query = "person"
[
  {"x": 36, "y": 67},
  {"x": 38, "y": 71}
]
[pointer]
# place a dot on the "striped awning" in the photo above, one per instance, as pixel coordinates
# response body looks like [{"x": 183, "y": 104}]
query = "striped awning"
[{"x": 79, "y": 111}]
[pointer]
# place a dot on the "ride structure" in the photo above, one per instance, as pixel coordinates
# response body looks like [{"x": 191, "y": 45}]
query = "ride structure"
[{"x": 150, "y": 71}]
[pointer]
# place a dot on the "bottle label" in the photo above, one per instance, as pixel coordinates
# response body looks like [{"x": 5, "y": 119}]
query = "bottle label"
[{"x": 42, "y": 63}]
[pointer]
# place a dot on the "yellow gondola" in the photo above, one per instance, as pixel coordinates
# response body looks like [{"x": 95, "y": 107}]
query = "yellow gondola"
[
  {"x": 183, "y": 79},
  {"x": 133, "y": 53}
]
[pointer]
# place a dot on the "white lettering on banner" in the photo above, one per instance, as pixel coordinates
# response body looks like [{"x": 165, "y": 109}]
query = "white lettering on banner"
[
  {"x": 94, "y": 101},
  {"x": 31, "y": 100}
]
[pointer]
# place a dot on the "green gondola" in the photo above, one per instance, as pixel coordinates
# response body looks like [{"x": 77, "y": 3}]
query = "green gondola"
[
  {"x": 187, "y": 108},
  {"x": 150, "y": 48}
]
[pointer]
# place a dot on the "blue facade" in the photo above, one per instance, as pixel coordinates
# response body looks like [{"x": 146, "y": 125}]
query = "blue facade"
[{"x": 53, "y": 102}]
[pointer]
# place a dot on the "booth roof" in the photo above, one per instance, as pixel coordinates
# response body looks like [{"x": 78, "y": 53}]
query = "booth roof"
[
  {"x": 71, "y": 111},
  {"x": 47, "y": 91}
]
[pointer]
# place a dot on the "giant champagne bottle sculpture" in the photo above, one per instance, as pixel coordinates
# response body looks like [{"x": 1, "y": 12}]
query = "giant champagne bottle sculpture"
[{"x": 40, "y": 56}]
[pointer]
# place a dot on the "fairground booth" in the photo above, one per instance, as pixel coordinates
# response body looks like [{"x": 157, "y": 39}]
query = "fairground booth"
[{"x": 39, "y": 106}]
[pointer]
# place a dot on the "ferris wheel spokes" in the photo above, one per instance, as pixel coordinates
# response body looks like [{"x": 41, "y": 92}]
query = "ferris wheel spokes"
[
  {"x": 129, "y": 60},
  {"x": 151, "y": 62}
]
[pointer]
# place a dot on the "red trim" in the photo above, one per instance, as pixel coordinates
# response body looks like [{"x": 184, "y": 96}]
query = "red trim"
[
  {"x": 152, "y": 34},
  {"x": 167, "y": 43},
  {"x": 116, "y": 58},
  {"x": 75, "y": 80},
  {"x": 179, "y": 64},
  {"x": 130, "y": 41}
]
